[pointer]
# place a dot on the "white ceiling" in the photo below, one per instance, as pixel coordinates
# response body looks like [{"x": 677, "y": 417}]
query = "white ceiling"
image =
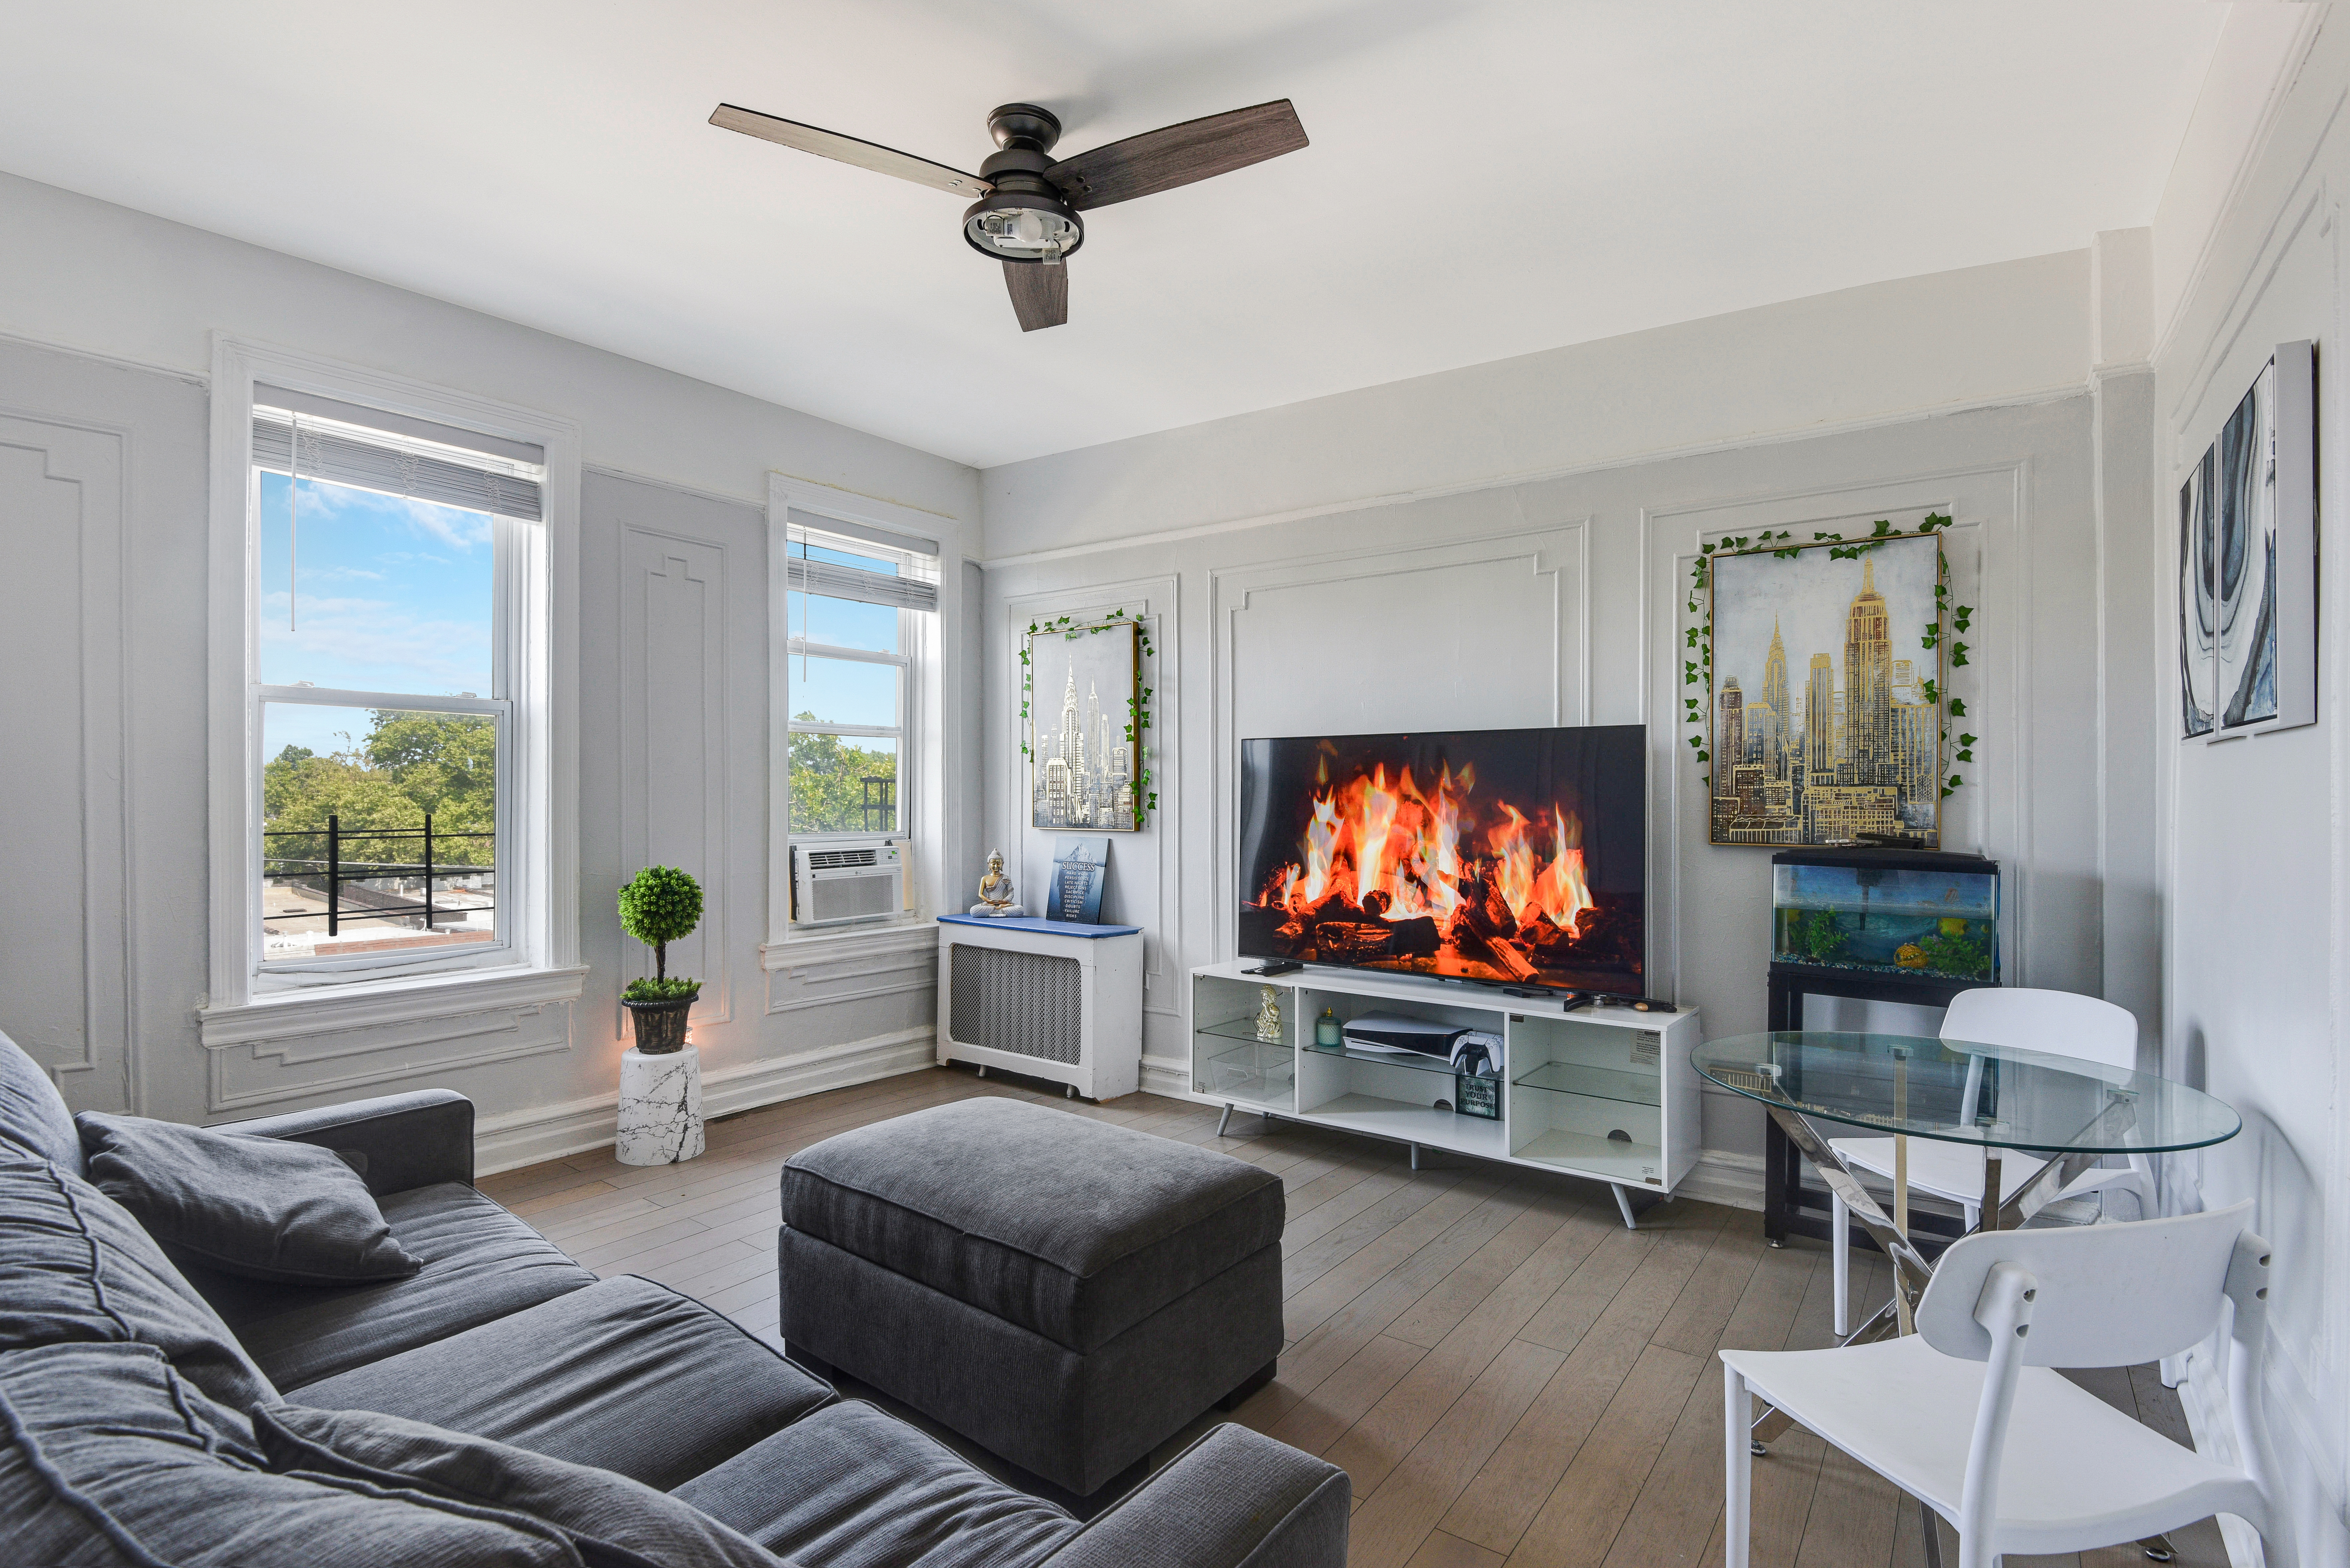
[{"x": 1485, "y": 180}]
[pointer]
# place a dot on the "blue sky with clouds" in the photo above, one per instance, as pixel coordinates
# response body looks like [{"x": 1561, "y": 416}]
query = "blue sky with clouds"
[
  {"x": 369, "y": 592},
  {"x": 841, "y": 690},
  {"x": 385, "y": 594}
]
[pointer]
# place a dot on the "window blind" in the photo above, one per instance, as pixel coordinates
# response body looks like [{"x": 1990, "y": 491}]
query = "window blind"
[
  {"x": 839, "y": 582},
  {"x": 840, "y": 530},
  {"x": 395, "y": 463},
  {"x": 911, "y": 587}
]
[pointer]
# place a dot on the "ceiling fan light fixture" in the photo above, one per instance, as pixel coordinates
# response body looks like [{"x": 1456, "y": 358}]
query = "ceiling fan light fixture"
[{"x": 1022, "y": 227}]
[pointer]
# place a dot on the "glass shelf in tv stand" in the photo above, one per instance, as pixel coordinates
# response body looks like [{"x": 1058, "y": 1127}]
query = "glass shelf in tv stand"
[{"x": 1385, "y": 1111}]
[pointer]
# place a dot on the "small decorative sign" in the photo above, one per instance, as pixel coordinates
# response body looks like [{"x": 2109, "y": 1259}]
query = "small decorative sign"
[
  {"x": 1475, "y": 1095},
  {"x": 1080, "y": 867}
]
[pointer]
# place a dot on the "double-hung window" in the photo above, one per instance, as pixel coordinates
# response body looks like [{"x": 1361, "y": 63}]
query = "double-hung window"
[
  {"x": 388, "y": 802},
  {"x": 851, "y": 597}
]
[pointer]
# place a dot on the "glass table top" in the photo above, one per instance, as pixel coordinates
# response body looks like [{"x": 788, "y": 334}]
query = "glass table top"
[{"x": 1960, "y": 1091}]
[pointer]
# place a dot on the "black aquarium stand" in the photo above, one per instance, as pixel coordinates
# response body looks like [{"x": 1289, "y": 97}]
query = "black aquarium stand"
[{"x": 1789, "y": 1207}]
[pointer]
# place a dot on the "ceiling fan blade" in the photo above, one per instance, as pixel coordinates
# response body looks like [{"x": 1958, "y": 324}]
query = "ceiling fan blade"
[
  {"x": 1178, "y": 154},
  {"x": 848, "y": 149},
  {"x": 1040, "y": 294}
]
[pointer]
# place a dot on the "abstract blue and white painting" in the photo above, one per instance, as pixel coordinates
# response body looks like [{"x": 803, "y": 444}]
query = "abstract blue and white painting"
[{"x": 2245, "y": 562}]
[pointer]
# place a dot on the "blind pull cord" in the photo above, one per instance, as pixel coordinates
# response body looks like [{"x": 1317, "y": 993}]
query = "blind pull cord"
[
  {"x": 802, "y": 542},
  {"x": 293, "y": 520}
]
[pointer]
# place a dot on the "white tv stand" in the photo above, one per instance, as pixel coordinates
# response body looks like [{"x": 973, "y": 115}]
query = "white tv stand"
[{"x": 1603, "y": 1093}]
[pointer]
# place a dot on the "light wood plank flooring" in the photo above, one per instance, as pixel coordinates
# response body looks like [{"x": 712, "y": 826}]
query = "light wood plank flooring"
[{"x": 1506, "y": 1372}]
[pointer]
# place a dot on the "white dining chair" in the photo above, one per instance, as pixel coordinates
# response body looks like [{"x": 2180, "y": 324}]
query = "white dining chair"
[
  {"x": 1967, "y": 1416},
  {"x": 2058, "y": 1023}
]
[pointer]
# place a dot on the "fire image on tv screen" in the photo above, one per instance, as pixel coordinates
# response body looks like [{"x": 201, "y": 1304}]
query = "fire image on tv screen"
[{"x": 1510, "y": 856}]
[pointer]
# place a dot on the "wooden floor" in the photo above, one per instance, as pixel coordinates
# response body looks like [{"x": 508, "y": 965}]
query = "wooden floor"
[{"x": 1506, "y": 1372}]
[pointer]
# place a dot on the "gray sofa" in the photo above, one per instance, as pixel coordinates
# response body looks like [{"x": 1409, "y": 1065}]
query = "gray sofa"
[{"x": 502, "y": 1336}]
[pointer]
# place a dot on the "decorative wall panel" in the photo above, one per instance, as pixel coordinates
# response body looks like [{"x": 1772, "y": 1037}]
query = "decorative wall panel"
[
  {"x": 673, "y": 752},
  {"x": 66, "y": 962}
]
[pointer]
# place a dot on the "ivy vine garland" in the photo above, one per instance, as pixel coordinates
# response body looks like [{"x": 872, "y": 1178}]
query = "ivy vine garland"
[
  {"x": 1137, "y": 707},
  {"x": 1699, "y": 670}
]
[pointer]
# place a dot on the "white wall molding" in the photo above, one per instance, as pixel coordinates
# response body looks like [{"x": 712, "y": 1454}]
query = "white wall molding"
[
  {"x": 675, "y": 755},
  {"x": 112, "y": 361},
  {"x": 244, "y": 1077},
  {"x": 821, "y": 957},
  {"x": 74, "y": 967},
  {"x": 515, "y": 1139},
  {"x": 2248, "y": 160},
  {"x": 1556, "y": 556},
  {"x": 675, "y": 486},
  {"x": 2191, "y": 413},
  {"x": 851, "y": 966},
  {"x": 2203, "y": 1398},
  {"x": 327, "y": 1009},
  {"x": 2025, "y": 397},
  {"x": 1156, "y": 603}
]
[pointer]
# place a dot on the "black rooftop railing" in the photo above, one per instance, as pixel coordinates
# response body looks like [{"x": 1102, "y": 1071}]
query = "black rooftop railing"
[{"x": 341, "y": 872}]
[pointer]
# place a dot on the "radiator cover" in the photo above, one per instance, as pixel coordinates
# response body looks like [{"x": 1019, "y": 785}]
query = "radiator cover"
[{"x": 1030, "y": 1005}]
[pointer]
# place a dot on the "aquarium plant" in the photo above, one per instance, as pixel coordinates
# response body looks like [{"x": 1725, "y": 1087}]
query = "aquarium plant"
[
  {"x": 1819, "y": 934},
  {"x": 661, "y": 905},
  {"x": 1955, "y": 952}
]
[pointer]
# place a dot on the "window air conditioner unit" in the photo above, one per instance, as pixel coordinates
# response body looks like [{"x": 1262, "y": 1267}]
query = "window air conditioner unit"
[{"x": 842, "y": 881}]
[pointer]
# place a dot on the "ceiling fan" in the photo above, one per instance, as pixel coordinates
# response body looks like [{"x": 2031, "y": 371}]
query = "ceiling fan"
[{"x": 1028, "y": 203}]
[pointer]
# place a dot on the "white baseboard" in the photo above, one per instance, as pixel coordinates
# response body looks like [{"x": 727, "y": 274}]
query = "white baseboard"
[
  {"x": 1721, "y": 1176},
  {"x": 515, "y": 1139},
  {"x": 1169, "y": 1076}
]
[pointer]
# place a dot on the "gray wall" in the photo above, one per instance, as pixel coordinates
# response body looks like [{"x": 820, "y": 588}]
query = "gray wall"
[
  {"x": 1558, "y": 601},
  {"x": 105, "y": 317},
  {"x": 2255, "y": 831}
]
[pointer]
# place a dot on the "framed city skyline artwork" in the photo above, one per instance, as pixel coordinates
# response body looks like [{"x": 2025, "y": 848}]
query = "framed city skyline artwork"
[
  {"x": 1824, "y": 699},
  {"x": 2247, "y": 561},
  {"x": 1084, "y": 684}
]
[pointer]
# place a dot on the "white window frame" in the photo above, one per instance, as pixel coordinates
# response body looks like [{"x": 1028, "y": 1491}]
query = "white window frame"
[
  {"x": 926, "y": 721},
  {"x": 908, "y": 638},
  {"x": 536, "y": 650}
]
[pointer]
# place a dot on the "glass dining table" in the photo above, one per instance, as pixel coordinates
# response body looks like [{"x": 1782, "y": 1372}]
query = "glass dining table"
[{"x": 2041, "y": 1120}]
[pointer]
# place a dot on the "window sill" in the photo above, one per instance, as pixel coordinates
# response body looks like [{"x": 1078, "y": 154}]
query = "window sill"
[
  {"x": 910, "y": 934},
  {"x": 362, "y": 1004}
]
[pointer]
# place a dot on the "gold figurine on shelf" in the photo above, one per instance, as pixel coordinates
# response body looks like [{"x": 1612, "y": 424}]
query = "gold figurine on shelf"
[
  {"x": 995, "y": 890},
  {"x": 1268, "y": 1014}
]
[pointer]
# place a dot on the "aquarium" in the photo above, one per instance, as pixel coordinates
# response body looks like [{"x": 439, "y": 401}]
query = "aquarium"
[{"x": 1887, "y": 911}]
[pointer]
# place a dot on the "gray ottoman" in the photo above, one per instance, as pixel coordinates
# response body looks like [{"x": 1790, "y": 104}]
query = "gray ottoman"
[{"x": 1065, "y": 1292}]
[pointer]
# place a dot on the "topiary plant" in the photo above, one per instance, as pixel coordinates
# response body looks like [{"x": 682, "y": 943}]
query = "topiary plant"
[{"x": 662, "y": 906}]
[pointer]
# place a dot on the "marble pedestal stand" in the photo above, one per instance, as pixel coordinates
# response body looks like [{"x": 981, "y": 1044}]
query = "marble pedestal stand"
[{"x": 660, "y": 1106}]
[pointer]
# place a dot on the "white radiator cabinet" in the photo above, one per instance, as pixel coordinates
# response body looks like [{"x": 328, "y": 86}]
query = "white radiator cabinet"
[{"x": 1046, "y": 999}]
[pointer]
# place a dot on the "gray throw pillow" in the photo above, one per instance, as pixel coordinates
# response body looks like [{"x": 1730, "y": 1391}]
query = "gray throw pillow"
[
  {"x": 611, "y": 1519},
  {"x": 76, "y": 1268},
  {"x": 290, "y": 1214},
  {"x": 108, "y": 1458}
]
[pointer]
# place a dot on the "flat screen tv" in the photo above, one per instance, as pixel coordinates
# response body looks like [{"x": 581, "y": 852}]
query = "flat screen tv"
[{"x": 1509, "y": 857}]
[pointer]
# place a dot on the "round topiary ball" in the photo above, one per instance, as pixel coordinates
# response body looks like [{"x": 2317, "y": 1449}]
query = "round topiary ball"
[{"x": 662, "y": 905}]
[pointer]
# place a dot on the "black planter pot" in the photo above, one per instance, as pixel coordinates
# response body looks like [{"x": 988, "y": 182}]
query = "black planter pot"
[{"x": 660, "y": 1025}]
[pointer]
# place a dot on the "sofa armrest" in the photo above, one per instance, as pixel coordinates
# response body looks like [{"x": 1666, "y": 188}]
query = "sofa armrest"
[
  {"x": 1233, "y": 1498},
  {"x": 403, "y": 1140}
]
